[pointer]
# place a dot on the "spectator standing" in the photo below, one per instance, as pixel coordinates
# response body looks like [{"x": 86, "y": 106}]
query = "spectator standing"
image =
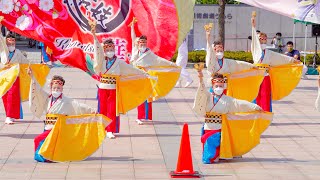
[
  {"x": 278, "y": 42},
  {"x": 296, "y": 55}
]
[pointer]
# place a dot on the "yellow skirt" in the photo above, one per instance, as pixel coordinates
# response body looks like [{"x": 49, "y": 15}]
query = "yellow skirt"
[
  {"x": 245, "y": 85},
  {"x": 241, "y": 132},
  {"x": 167, "y": 79},
  {"x": 74, "y": 138}
]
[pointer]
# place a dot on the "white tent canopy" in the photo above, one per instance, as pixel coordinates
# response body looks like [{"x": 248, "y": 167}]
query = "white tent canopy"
[{"x": 307, "y": 10}]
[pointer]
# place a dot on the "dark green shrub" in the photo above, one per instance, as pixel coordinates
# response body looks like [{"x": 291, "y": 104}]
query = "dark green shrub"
[{"x": 200, "y": 56}]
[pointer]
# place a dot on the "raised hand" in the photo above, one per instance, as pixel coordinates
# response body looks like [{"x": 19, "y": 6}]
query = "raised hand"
[
  {"x": 253, "y": 19},
  {"x": 208, "y": 34},
  {"x": 134, "y": 20},
  {"x": 199, "y": 68},
  {"x": 208, "y": 28},
  {"x": 93, "y": 25}
]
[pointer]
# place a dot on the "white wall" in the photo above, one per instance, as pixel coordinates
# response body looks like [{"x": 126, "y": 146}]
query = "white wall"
[{"x": 238, "y": 27}]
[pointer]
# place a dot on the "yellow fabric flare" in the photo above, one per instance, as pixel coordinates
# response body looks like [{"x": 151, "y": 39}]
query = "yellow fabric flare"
[
  {"x": 241, "y": 132},
  {"x": 39, "y": 71},
  {"x": 167, "y": 78},
  {"x": 245, "y": 85},
  {"x": 74, "y": 138},
  {"x": 7, "y": 77},
  {"x": 284, "y": 79},
  {"x": 132, "y": 91}
]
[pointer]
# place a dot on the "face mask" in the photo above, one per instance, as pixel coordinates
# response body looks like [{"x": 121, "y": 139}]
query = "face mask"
[
  {"x": 142, "y": 49},
  {"x": 218, "y": 91},
  {"x": 263, "y": 46},
  {"x": 56, "y": 94},
  {"x": 278, "y": 37},
  {"x": 219, "y": 55},
  {"x": 290, "y": 49},
  {"x": 11, "y": 48},
  {"x": 109, "y": 54}
]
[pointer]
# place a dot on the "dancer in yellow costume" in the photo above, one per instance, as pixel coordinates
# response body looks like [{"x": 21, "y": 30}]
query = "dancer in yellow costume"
[
  {"x": 242, "y": 79},
  {"x": 72, "y": 131},
  {"x": 14, "y": 81},
  {"x": 122, "y": 87},
  {"x": 232, "y": 127},
  {"x": 167, "y": 73},
  {"x": 282, "y": 75}
]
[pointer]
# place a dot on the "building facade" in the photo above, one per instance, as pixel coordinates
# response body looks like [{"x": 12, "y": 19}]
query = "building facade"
[{"x": 238, "y": 27}]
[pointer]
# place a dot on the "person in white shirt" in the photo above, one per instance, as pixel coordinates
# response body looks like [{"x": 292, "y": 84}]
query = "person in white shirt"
[{"x": 182, "y": 61}]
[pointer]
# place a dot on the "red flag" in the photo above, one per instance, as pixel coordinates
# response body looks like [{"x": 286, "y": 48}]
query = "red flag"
[{"x": 63, "y": 25}]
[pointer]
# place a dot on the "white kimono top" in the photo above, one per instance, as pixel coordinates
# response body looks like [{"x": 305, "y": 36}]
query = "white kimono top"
[
  {"x": 228, "y": 65},
  {"x": 17, "y": 57},
  {"x": 149, "y": 59},
  {"x": 41, "y": 101},
  {"x": 270, "y": 58},
  {"x": 204, "y": 103},
  {"x": 119, "y": 67}
]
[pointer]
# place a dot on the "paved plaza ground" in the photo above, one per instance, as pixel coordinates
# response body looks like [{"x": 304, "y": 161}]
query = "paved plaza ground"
[{"x": 289, "y": 149}]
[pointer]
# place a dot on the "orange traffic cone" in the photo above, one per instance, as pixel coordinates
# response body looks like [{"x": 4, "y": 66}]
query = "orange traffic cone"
[{"x": 184, "y": 166}]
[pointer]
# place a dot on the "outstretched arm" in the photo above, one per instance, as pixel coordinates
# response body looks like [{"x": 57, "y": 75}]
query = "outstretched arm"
[
  {"x": 38, "y": 98},
  {"x": 201, "y": 99},
  {"x": 133, "y": 33},
  {"x": 128, "y": 69},
  {"x": 255, "y": 43},
  {"x": 253, "y": 19},
  {"x": 80, "y": 108},
  {"x": 210, "y": 54},
  {"x": 98, "y": 51},
  {"x": 237, "y": 106},
  {"x": 208, "y": 36},
  {"x": 276, "y": 59},
  {"x": 237, "y": 66}
]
